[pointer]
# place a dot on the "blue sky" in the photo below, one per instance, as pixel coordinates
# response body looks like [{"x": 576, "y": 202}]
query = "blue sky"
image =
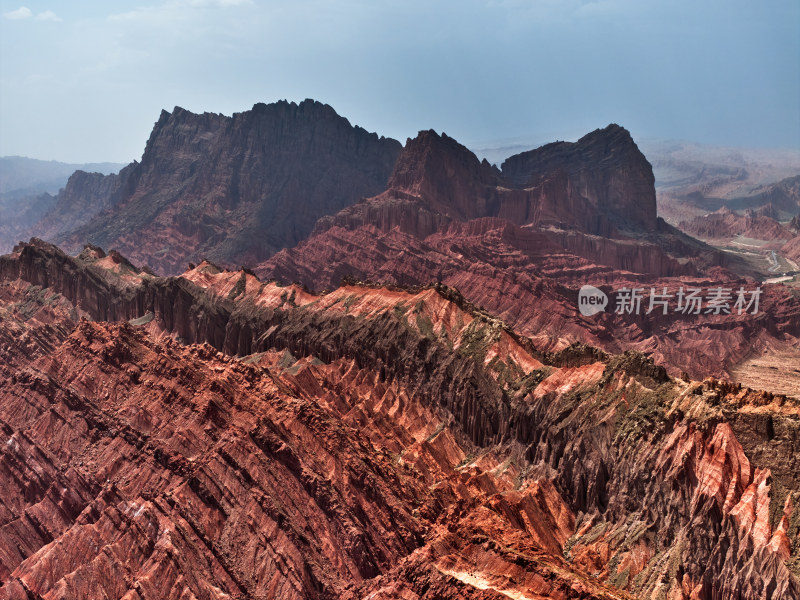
[{"x": 85, "y": 81}]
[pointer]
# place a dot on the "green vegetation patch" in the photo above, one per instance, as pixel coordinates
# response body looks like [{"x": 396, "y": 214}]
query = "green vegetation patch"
[
  {"x": 646, "y": 415},
  {"x": 476, "y": 339},
  {"x": 348, "y": 302},
  {"x": 425, "y": 326},
  {"x": 509, "y": 374}
]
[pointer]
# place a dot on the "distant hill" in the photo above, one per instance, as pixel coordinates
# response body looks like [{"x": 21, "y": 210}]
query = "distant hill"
[
  {"x": 21, "y": 176},
  {"x": 27, "y": 191}
]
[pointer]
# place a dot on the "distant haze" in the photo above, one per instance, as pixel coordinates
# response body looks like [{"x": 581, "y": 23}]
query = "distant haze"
[
  {"x": 25, "y": 176},
  {"x": 85, "y": 81}
]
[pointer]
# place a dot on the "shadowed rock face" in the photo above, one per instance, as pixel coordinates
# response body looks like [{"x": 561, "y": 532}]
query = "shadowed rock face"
[
  {"x": 235, "y": 189},
  {"x": 238, "y": 189},
  {"x": 370, "y": 442},
  {"x": 605, "y": 167}
]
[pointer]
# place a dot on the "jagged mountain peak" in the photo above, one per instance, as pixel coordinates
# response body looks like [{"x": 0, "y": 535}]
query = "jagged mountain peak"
[
  {"x": 227, "y": 187},
  {"x": 430, "y": 162}
]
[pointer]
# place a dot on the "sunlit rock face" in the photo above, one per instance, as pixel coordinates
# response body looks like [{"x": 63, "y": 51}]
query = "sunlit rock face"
[{"x": 218, "y": 436}]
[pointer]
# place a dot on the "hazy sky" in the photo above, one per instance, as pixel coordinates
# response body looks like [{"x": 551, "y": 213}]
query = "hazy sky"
[{"x": 85, "y": 81}]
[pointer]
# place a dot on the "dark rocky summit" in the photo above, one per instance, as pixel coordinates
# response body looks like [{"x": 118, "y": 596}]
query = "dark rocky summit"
[
  {"x": 603, "y": 213},
  {"x": 235, "y": 189},
  {"x": 605, "y": 168},
  {"x": 595, "y": 185},
  {"x": 238, "y": 189},
  {"x": 523, "y": 248}
]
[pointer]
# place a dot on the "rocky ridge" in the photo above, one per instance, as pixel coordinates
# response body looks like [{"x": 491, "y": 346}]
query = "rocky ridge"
[
  {"x": 725, "y": 223},
  {"x": 565, "y": 191},
  {"x": 531, "y": 283},
  {"x": 372, "y": 441}
]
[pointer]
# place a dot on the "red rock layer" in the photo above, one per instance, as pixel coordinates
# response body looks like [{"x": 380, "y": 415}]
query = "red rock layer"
[
  {"x": 371, "y": 442},
  {"x": 522, "y": 276},
  {"x": 141, "y": 469}
]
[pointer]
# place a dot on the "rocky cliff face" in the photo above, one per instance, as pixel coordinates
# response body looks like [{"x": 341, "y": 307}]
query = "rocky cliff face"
[
  {"x": 605, "y": 167},
  {"x": 238, "y": 189},
  {"x": 437, "y": 183},
  {"x": 371, "y": 442},
  {"x": 586, "y": 186},
  {"x": 235, "y": 189},
  {"x": 520, "y": 242}
]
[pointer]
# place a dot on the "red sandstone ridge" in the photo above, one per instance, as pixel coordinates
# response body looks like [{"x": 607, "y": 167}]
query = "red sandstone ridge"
[
  {"x": 223, "y": 437},
  {"x": 725, "y": 223},
  {"x": 235, "y": 189},
  {"x": 525, "y": 278},
  {"x": 584, "y": 188},
  {"x": 238, "y": 189}
]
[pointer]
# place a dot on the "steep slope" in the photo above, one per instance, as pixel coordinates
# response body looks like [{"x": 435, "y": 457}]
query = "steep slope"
[
  {"x": 437, "y": 181},
  {"x": 370, "y": 442},
  {"x": 235, "y": 189},
  {"x": 586, "y": 186},
  {"x": 605, "y": 167}
]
